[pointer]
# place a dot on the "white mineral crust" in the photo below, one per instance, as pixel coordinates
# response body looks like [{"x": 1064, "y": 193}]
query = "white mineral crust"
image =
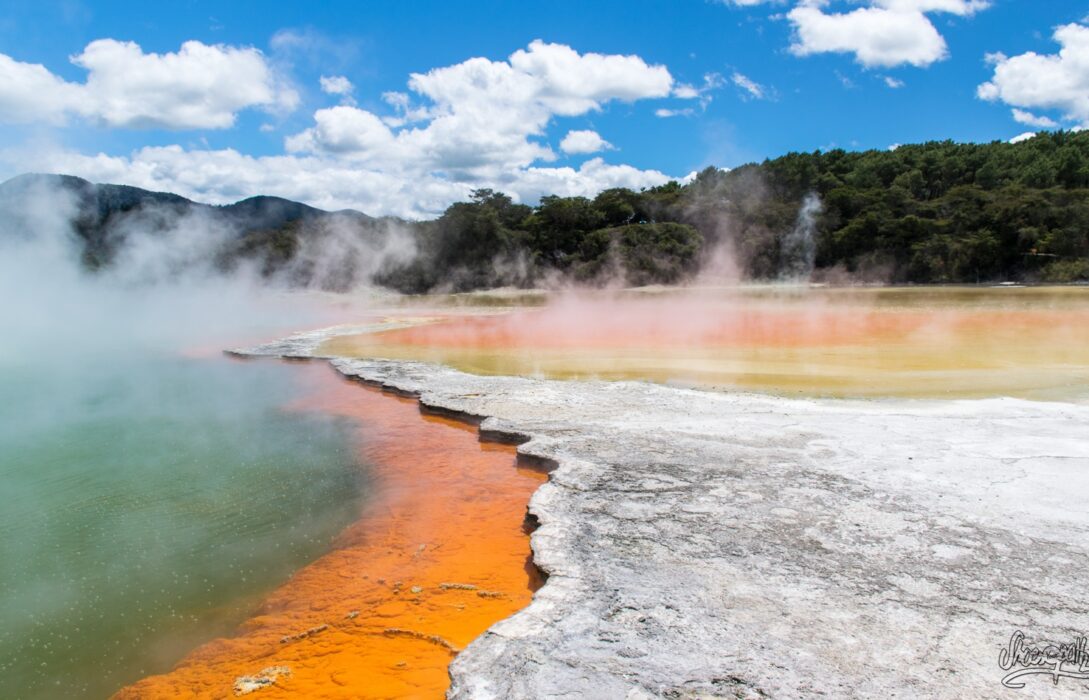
[{"x": 703, "y": 544}]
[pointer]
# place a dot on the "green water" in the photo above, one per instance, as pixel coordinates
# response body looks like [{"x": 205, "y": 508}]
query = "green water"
[{"x": 147, "y": 506}]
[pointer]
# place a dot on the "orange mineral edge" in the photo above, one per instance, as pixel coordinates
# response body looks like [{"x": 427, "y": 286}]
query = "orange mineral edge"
[{"x": 440, "y": 553}]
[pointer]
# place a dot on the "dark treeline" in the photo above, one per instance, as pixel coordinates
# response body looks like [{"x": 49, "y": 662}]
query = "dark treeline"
[
  {"x": 490, "y": 241},
  {"x": 937, "y": 212}
]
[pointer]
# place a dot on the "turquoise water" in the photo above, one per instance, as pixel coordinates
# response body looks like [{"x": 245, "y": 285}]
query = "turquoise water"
[{"x": 149, "y": 502}]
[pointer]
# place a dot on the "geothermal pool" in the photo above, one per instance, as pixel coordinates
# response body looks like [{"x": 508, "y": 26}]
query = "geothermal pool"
[
  {"x": 150, "y": 503},
  {"x": 862, "y": 342},
  {"x": 192, "y": 522},
  {"x": 439, "y": 555}
]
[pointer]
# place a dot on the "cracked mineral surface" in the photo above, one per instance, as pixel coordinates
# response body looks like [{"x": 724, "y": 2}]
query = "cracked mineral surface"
[{"x": 703, "y": 544}]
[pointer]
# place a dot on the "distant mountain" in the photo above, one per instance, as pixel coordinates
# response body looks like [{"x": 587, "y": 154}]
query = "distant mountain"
[
  {"x": 96, "y": 205},
  {"x": 268, "y": 230}
]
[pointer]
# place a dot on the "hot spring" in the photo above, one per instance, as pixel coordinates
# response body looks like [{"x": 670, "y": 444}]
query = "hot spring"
[
  {"x": 159, "y": 500},
  {"x": 150, "y": 504},
  {"x": 924, "y": 342}
]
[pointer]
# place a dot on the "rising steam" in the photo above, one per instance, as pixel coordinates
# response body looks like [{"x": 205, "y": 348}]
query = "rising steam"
[{"x": 798, "y": 251}]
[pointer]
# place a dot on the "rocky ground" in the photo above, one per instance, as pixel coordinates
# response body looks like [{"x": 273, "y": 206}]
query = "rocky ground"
[{"x": 703, "y": 544}]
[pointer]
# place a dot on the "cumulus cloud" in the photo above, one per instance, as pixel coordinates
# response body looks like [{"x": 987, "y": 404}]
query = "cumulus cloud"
[
  {"x": 584, "y": 141},
  {"x": 590, "y": 178},
  {"x": 224, "y": 176},
  {"x": 1045, "y": 81},
  {"x": 1022, "y": 117},
  {"x": 877, "y": 36},
  {"x": 686, "y": 92},
  {"x": 956, "y": 7},
  {"x": 335, "y": 85},
  {"x": 962, "y": 8},
  {"x": 197, "y": 87},
  {"x": 893, "y": 83},
  {"x": 885, "y": 33},
  {"x": 479, "y": 123},
  {"x": 345, "y": 130},
  {"x": 30, "y": 93},
  {"x": 481, "y": 117},
  {"x": 1023, "y": 137}
]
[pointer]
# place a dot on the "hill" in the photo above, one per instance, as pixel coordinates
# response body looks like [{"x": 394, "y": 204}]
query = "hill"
[
  {"x": 938, "y": 212},
  {"x": 269, "y": 231}
]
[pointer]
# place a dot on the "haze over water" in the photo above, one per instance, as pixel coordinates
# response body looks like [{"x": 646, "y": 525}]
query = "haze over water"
[
  {"x": 154, "y": 491},
  {"x": 925, "y": 342},
  {"x": 147, "y": 510}
]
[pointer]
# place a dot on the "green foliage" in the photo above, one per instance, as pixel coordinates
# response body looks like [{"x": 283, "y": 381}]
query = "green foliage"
[
  {"x": 657, "y": 253},
  {"x": 937, "y": 212},
  {"x": 932, "y": 212},
  {"x": 1067, "y": 271}
]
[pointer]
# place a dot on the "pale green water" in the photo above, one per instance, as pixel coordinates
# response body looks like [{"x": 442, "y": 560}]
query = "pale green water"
[{"x": 147, "y": 507}]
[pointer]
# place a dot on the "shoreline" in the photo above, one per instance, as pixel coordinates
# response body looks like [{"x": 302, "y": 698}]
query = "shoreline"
[
  {"x": 424, "y": 570},
  {"x": 752, "y": 545},
  {"x": 711, "y": 539}
]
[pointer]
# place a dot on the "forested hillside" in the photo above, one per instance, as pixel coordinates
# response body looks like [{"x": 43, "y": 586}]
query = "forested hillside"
[{"x": 937, "y": 212}]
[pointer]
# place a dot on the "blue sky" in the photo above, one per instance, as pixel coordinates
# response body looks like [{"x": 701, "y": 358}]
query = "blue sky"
[{"x": 744, "y": 80}]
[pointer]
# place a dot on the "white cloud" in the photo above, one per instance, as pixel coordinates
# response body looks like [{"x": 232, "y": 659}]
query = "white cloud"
[
  {"x": 893, "y": 83},
  {"x": 482, "y": 117},
  {"x": 225, "y": 176},
  {"x": 962, "y": 8},
  {"x": 1022, "y": 117},
  {"x": 335, "y": 85},
  {"x": 1049, "y": 81},
  {"x": 686, "y": 92},
  {"x": 1022, "y": 137},
  {"x": 754, "y": 89},
  {"x": 30, "y": 93},
  {"x": 346, "y": 130},
  {"x": 666, "y": 113},
  {"x": 479, "y": 123},
  {"x": 592, "y": 176},
  {"x": 877, "y": 36},
  {"x": 886, "y": 33},
  {"x": 573, "y": 84},
  {"x": 584, "y": 141},
  {"x": 198, "y": 87},
  {"x": 711, "y": 82}
]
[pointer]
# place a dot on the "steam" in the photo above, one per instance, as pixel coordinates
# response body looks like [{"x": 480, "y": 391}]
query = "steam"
[
  {"x": 163, "y": 293},
  {"x": 268, "y": 243},
  {"x": 91, "y": 368},
  {"x": 337, "y": 257},
  {"x": 798, "y": 251}
]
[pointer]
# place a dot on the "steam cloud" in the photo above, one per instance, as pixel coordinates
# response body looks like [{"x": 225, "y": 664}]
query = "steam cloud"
[{"x": 798, "y": 253}]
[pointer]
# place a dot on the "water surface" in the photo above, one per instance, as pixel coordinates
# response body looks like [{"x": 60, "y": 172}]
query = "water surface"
[
  {"x": 150, "y": 501},
  {"x": 926, "y": 342}
]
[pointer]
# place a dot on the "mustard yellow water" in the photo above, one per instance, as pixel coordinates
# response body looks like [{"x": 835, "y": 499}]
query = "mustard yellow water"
[{"x": 927, "y": 342}]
